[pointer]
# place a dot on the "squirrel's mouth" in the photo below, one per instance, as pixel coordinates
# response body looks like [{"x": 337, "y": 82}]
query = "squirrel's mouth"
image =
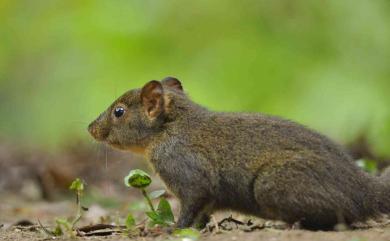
[
  {"x": 132, "y": 148},
  {"x": 116, "y": 145}
]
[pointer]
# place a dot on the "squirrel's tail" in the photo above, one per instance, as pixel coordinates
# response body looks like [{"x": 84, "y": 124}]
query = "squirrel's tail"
[
  {"x": 384, "y": 202},
  {"x": 385, "y": 175}
]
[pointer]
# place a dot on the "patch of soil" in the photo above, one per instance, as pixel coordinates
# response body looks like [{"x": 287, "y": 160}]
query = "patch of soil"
[
  {"x": 268, "y": 234},
  {"x": 32, "y": 178}
]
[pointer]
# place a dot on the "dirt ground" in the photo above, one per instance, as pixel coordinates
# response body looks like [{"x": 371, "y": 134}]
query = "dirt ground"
[
  {"x": 374, "y": 234},
  {"x": 13, "y": 209},
  {"x": 34, "y": 186}
]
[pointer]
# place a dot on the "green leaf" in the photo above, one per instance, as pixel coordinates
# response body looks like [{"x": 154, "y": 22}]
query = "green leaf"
[
  {"x": 156, "y": 194},
  {"x": 130, "y": 221},
  {"x": 77, "y": 185},
  {"x": 138, "y": 179},
  {"x": 190, "y": 233},
  {"x": 155, "y": 218},
  {"x": 163, "y": 215},
  {"x": 153, "y": 215},
  {"x": 165, "y": 211}
]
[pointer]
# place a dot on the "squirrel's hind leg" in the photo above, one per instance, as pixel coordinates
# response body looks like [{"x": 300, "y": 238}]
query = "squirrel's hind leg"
[
  {"x": 293, "y": 194},
  {"x": 193, "y": 212}
]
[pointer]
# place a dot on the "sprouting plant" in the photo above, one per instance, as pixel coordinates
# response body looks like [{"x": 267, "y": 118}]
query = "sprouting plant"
[
  {"x": 63, "y": 224},
  {"x": 78, "y": 187},
  {"x": 163, "y": 214},
  {"x": 130, "y": 226},
  {"x": 130, "y": 222},
  {"x": 140, "y": 179}
]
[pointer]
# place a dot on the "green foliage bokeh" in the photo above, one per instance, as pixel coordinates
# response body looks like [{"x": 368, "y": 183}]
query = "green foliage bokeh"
[{"x": 325, "y": 64}]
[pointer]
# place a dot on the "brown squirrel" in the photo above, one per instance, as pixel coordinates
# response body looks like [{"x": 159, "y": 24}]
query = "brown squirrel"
[{"x": 251, "y": 163}]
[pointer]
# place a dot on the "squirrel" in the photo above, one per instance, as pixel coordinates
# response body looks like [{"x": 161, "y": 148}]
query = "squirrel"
[{"x": 252, "y": 163}]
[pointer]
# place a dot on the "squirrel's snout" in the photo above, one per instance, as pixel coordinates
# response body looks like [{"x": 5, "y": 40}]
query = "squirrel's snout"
[
  {"x": 92, "y": 130},
  {"x": 98, "y": 131}
]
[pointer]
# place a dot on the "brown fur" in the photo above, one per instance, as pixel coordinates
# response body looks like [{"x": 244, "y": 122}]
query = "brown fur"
[{"x": 252, "y": 163}]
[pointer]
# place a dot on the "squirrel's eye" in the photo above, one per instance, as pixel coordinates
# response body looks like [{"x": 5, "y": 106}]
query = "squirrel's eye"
[{"x": 118, "y": 112}]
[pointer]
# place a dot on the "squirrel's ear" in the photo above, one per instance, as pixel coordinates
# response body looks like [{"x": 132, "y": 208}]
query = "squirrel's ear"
[
  {"x": 173, "y": 83},
  {"x": 152, "y": 98}
]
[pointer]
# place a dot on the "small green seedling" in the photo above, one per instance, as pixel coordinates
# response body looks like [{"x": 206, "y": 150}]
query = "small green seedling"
[
  {"x": 130, "y": 222},
  {"x": 131, "y": 227},
  {"x": 140, "y": 180},
  {"x": 78, "y": 187},
  {"x": 163, "y": 215},
  {"x": 63, "y": 225}
]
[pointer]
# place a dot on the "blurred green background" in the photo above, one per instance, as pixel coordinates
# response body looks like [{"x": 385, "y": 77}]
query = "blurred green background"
[{"x": 325, "y": 64}]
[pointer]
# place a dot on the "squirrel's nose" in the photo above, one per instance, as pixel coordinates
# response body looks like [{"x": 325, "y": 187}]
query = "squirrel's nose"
[{"x": 91, "y": 129}]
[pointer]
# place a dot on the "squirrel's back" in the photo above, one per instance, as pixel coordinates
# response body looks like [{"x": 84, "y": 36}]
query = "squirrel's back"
[{"x": 246, "y": 137}]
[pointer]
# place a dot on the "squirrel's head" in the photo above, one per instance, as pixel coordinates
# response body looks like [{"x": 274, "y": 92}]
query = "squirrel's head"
[{"x": 138, "y": 115}]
